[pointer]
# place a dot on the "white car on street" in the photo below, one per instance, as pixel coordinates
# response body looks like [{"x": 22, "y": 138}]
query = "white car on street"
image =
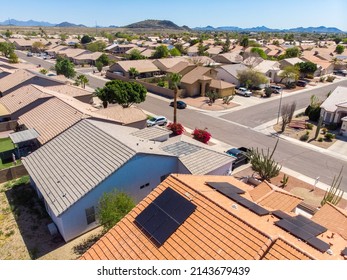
[
  {"x": 158, "y": 120},
  {"x": 243, "y": 91}
]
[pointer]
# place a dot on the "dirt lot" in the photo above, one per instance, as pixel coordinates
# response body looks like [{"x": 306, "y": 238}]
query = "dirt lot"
[
  {"x": 296, "y": 133},
  {"x": 23, "y": 228}
]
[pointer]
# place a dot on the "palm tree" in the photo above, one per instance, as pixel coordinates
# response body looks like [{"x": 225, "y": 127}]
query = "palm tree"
[
  {"x": 175, "y": 79},
  {"x": 133, "y": 72},
  {"x": 83, "y": 80},
  {"x": 101, "y": 94}
]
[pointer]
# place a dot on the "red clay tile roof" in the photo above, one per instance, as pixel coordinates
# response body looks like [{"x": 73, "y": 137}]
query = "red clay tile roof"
[
  {"x": 210, "y": 232},
  {"x": 275, "y": 198},
  {"x": 333, "y": 218},
  {"x": 282, "y": 250},
  {"x": 220, "y": 228}
]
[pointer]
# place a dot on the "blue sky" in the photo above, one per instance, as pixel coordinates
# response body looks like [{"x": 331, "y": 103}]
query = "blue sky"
[{"x": 194, "y": 13}]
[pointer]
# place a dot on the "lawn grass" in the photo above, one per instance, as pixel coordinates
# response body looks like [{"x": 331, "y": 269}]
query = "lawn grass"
[
  {"x": 6, "y": 144},
  {"x": 8, "y": 164}
]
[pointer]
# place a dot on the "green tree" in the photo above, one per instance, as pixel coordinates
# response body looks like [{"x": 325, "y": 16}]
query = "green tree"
[
  {"x": 339, "y": 49},
  {"x": 260, "y": 52},
  {"x": 13, "y": 58},
  {"x": 244, "y": 42},
  {"x": 226, "y": 45},
  {"x": 99, "y": 65},
  {"x": 124, "y": 93},
  {"x": 161, "y": 52},
  {"x": 44, "y": 71},
  {"x": 65, "y": 67},
  {"x": 307, "y": 67},
  {"x": 202, "y": 50},
  {"x": 104, "y": 59},
  {"x": 113, "y": 207},
  {"x": 180, "y": 48},
  {"x": 135, "y": 55},
  {"x": 97, "y": 46},
  {"x": 82, "y": 80},
  {"x": 63, "y": 37},
  {"x": 174, "y": 52},
  {"x": 263, "y": 163},
  {"x": 38, "y": 47},
  {"x": 86, "y": 39},
  {"x": 290, "y": 73},
  {"x": 251, "y": 78},
  {"x": 8, "y": 33},
  {"x": 133, "y": 73},
  {"x": 212, "y": 96},
  {"x": 174, "y": 80},
  {"x": 292, "y": 52},
  {"x": 103, "y": 96},
  {"x": 6, "y": 48}
]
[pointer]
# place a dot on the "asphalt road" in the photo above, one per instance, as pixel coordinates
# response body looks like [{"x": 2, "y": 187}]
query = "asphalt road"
[{"x": 236, "y": 129}]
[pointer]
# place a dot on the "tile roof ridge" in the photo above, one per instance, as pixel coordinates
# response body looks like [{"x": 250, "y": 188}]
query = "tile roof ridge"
[
  {"x": 276, "y": 189},
  {"x": 342, "y": 211},
  {"x": 175, "y": 177},
  {"x": 278, "y": 237}
]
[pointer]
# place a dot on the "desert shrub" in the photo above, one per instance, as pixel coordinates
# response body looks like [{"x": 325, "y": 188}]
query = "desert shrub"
[
  {"x": 322, "y": 79},
  {"x": 330, "y": 79},
  {"x": 304, "y": 137},
  {"x": 329, "y": 136},
  {"x": 309, "y": 76},
  {"x": 309, "y": 126},
  {"x": 201, "y": 135},
  {"x": 320, "y": 139},
  {"x": 161, "y": 83},
  {"x": 176, "y": 128},
  {"x": 314, "y": 114},
  {"x": 324, "y": 130}
]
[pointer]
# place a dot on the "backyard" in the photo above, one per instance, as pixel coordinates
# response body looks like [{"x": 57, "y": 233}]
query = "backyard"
[{"x": 5, "y": 146}]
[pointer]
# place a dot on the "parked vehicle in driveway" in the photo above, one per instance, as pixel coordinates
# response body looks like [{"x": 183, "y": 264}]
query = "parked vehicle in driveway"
[
  {"x": 180, "y": 104},
  {"x": 301, "y": 83},
  {"x": 240, "y": 155},
  {"x": 276, "y": 89},
  {"x": 342, "y": 72},
  {"x": 243, "y": 91},
  {"x": 158, "y": 120}
]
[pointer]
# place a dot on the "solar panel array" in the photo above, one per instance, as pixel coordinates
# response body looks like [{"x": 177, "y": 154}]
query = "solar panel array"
[
  {"x": 164, "y": 215},
  {"x": 303, "y": 228},
  {"x": 233, "y": 193}
]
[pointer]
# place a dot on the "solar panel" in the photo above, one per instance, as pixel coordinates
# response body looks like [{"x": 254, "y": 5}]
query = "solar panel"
[
  {"x": 225, "y": 188},
  {"x": 280, "y": 214},
  {"x": 344, "y": 252},
  {"x": 302, "y": 234},
  {"x": 296, "y": 221},
  {"x": 318, "y": 227},
  {"x": 318, "y": 244},
  {"x": 286, "y": 225},
  {"x": 164, "y": 215},
  {"x": 259, "y": 210},
  {"x": 314, "y": 231}
]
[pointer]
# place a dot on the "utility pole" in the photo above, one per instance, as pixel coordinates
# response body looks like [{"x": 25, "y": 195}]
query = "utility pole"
[{"x": 279, "y": 108}]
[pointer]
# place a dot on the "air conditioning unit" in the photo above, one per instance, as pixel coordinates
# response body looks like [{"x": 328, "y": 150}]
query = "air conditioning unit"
[{"x": 52, "y": 228}]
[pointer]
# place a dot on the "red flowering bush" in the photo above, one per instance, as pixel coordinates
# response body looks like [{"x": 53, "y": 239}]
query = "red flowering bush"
[
  {"x": 201, "y": 135},
  {"x": 176, "y": 128}
]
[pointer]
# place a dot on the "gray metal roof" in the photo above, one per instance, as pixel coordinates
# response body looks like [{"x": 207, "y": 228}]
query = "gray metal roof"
[
  {"x": 22, "y": 136},
  {"x": 72, "y": 164},
  {"x": 197, "y": 159},
  {"x": 152, "y": 133}
]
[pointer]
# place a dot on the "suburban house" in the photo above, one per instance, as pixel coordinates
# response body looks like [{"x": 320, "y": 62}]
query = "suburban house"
[
  {"x": 181, "y": 68},
  {"x": 119, "y": 48},
  {"x": 324, "y": 66},
  {"x": 218, "y": 218},
  {"x": 289, "y": 62},
  {"x": 196, "y": 82},
  {"x": 86, "y": 58},
  {"x": 343, "y": 129},
  {"x": 72, "y": 171},
  {"x": 334, "y": 108},
  {"x": 228, "y": 58},
  {"x": 229, "y": 73},
  {"x": 166, "y": 63},
  {"x": 145, "y": 68},
  {"x": 270, "y": 69}
]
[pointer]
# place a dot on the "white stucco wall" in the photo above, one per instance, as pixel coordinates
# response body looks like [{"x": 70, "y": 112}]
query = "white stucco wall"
[
  {"x": 138, "y": 171},
  {"x": 226, "y": 76}
]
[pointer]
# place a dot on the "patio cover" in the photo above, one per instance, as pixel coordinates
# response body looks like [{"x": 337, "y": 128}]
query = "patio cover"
[{"x": 23, "y": 136}]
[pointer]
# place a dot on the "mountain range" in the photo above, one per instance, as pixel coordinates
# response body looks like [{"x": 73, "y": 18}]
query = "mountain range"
[{"x": 166, "y": 24}]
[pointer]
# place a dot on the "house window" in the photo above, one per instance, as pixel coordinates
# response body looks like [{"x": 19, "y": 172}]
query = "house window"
[
  {"x": 144, "y": 186},
  {"x": 90, "y": 215}
]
